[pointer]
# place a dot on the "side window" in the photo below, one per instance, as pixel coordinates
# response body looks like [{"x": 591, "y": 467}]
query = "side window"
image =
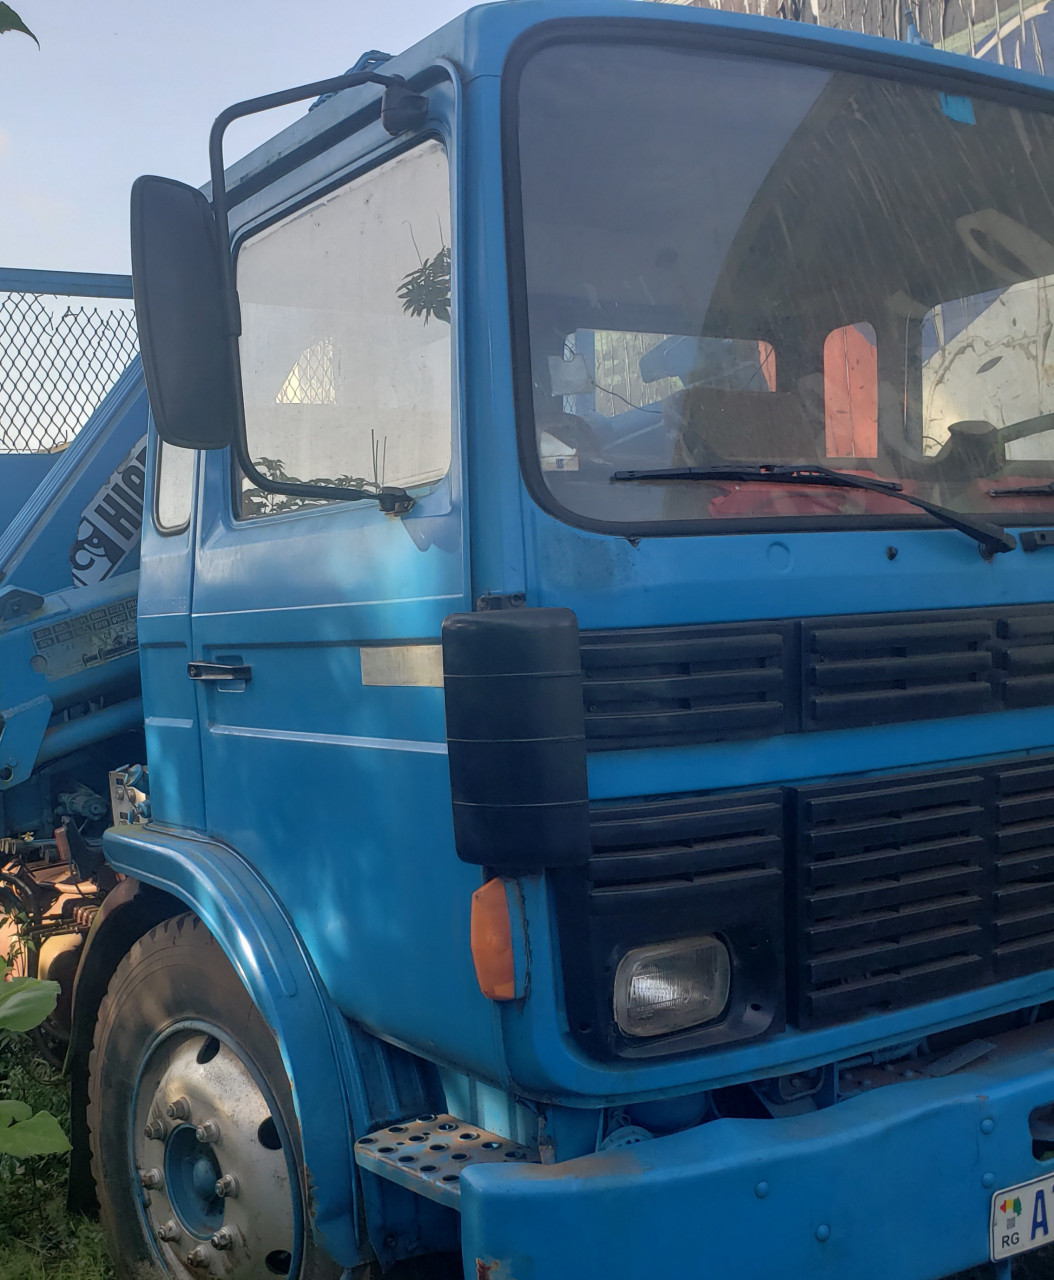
[
  {"x": 174, "y": 486},
  {"x": 345, "y": 346},
  {"x": 989, "y": 358}
]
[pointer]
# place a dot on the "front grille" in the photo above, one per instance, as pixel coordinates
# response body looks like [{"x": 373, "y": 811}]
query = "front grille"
[
  {"x": 668, "y": 686},
  {"x": 896, "y": 671},
  {"x": 895, "y": 891},
  {"x": 915, "y": 888},
  {"x": 671, "y": 853},
  {"x": 1024, "y": 870},
  {"x": 895, "y": 895},
  {"x": 674, "y": 867}
]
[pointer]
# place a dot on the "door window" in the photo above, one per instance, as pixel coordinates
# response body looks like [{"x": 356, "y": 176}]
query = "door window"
[{"x": 345, "y": 345}]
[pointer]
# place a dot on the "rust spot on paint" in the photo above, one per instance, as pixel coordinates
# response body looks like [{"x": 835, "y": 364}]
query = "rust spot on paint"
[{"x": 484, "y": 1269}]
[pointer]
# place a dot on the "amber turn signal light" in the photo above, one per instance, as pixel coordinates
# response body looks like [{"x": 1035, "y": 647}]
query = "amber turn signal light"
[{"x": 491, "y": 934}]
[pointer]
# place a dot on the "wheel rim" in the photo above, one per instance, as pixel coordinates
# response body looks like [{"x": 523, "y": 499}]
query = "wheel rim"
[{"x": 213, "y": 1161}]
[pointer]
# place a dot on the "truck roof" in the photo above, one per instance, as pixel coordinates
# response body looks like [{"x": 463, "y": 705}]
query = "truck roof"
[{"x": 477, "y": 44}]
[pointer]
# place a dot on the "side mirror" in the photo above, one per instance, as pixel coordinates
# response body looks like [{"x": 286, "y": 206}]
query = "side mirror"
[{"x": 186, "y": 324}]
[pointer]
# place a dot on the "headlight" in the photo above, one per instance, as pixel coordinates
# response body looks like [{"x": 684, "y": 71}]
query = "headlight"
[{"x": 667, "y": 988}]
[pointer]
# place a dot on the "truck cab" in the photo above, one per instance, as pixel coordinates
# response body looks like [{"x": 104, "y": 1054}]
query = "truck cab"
[{"x": 597, "y": 654}]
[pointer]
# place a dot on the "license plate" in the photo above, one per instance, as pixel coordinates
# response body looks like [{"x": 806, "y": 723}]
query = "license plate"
[{"x": 1022, "y": 1218}]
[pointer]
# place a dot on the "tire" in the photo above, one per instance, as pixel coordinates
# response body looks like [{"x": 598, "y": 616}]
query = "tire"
[{"x": 179, "y": 1044}]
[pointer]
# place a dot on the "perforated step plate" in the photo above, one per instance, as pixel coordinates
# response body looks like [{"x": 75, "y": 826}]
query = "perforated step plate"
[{"x": 428, "y": 1154}]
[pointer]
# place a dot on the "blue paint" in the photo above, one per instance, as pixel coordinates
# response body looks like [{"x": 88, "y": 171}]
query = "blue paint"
[
  {"x": 957, "y": 107},
  {"x": 839, "y": 1183},
  {"x": 20, "y": 473},
  {"x": 191, "y": 1171},
  {"x": 74, "y": 284}
]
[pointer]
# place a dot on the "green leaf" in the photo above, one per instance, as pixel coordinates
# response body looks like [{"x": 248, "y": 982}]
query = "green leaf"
[
  {"x": 10, "y": 1111},
  {"x": 26, "y": 1002},
  {"x": 41, "y": 1135},
  {"x": 10, "y": 21},
  {"x": 425, "y": 291}
]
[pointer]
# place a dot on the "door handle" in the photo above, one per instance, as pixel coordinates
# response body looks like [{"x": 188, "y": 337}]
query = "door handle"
[{"x": 217, "y": 671}]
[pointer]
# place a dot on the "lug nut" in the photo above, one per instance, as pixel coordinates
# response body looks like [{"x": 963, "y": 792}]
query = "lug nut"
[
  {"x": 169, "y": 1231},
  {"x": 178, "y": 1110},
  {"x": 197, "y": 1258},
  {"x": 151, "y": 1179},
  {"x": 155, "y": 1129},
  {"x": 227, "y": 1187},
  {"x": 208, "y": 1132},
  {"x": 223, "y": 1239}
]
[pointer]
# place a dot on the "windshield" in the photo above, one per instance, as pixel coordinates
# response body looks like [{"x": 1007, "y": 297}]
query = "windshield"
[{"x": 735, "y": 260}]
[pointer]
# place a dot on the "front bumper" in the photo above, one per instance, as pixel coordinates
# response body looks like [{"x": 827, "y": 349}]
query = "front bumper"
[{"x": 893, "y": 1183}]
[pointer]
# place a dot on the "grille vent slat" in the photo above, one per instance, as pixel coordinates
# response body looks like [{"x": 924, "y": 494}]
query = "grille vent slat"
[
  {"x": 858, "y": 804},
  {"x": 1028, "y": 658},
  {"x": 928, "y": 670}
]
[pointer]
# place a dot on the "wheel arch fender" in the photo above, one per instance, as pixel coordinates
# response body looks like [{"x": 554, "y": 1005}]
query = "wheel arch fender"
[{"x": 245, "y": 917}]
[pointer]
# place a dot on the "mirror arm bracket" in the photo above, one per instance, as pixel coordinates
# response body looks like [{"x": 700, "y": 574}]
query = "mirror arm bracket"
[{"x": 401, "y": 109}]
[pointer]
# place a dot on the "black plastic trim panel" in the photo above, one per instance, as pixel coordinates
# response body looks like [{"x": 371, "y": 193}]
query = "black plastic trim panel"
[
  {"x": 917, "y": 887},
  {"x": 515, "y": 741},
  {"x": 668, "y": 686},
  {"x": 676, "y": 867}
]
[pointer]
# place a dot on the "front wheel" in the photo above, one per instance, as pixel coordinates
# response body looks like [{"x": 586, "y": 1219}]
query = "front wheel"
[{"x": 195, "y": 1146}]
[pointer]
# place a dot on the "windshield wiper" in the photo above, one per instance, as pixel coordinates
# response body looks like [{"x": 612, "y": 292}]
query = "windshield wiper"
[
  {"x": 1023, "y": 491},
  {"x": 990, "y": 537}
]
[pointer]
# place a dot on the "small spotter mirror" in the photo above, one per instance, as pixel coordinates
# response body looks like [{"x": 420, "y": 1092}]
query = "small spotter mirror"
[{"x": 184, "y": 326}]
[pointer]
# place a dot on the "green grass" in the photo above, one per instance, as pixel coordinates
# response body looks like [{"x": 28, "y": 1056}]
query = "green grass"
[{"x": 38, "y": 1240}]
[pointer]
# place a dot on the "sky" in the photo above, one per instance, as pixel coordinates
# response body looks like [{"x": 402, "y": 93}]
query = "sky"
[{"x": 124, "y": 87}]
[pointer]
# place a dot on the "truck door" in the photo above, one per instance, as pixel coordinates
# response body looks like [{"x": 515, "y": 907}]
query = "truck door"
[{"x": 316, "y": 624}]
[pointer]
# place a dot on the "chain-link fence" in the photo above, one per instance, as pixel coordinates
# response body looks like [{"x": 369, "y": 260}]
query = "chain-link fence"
[{"x": 59, "y": 356}]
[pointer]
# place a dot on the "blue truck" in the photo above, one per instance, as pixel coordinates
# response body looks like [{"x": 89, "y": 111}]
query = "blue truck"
[{"x": 594, "y": 668}]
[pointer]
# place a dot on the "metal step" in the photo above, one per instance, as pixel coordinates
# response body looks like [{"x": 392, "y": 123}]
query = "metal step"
[{"x": 428, "y": 1154}]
